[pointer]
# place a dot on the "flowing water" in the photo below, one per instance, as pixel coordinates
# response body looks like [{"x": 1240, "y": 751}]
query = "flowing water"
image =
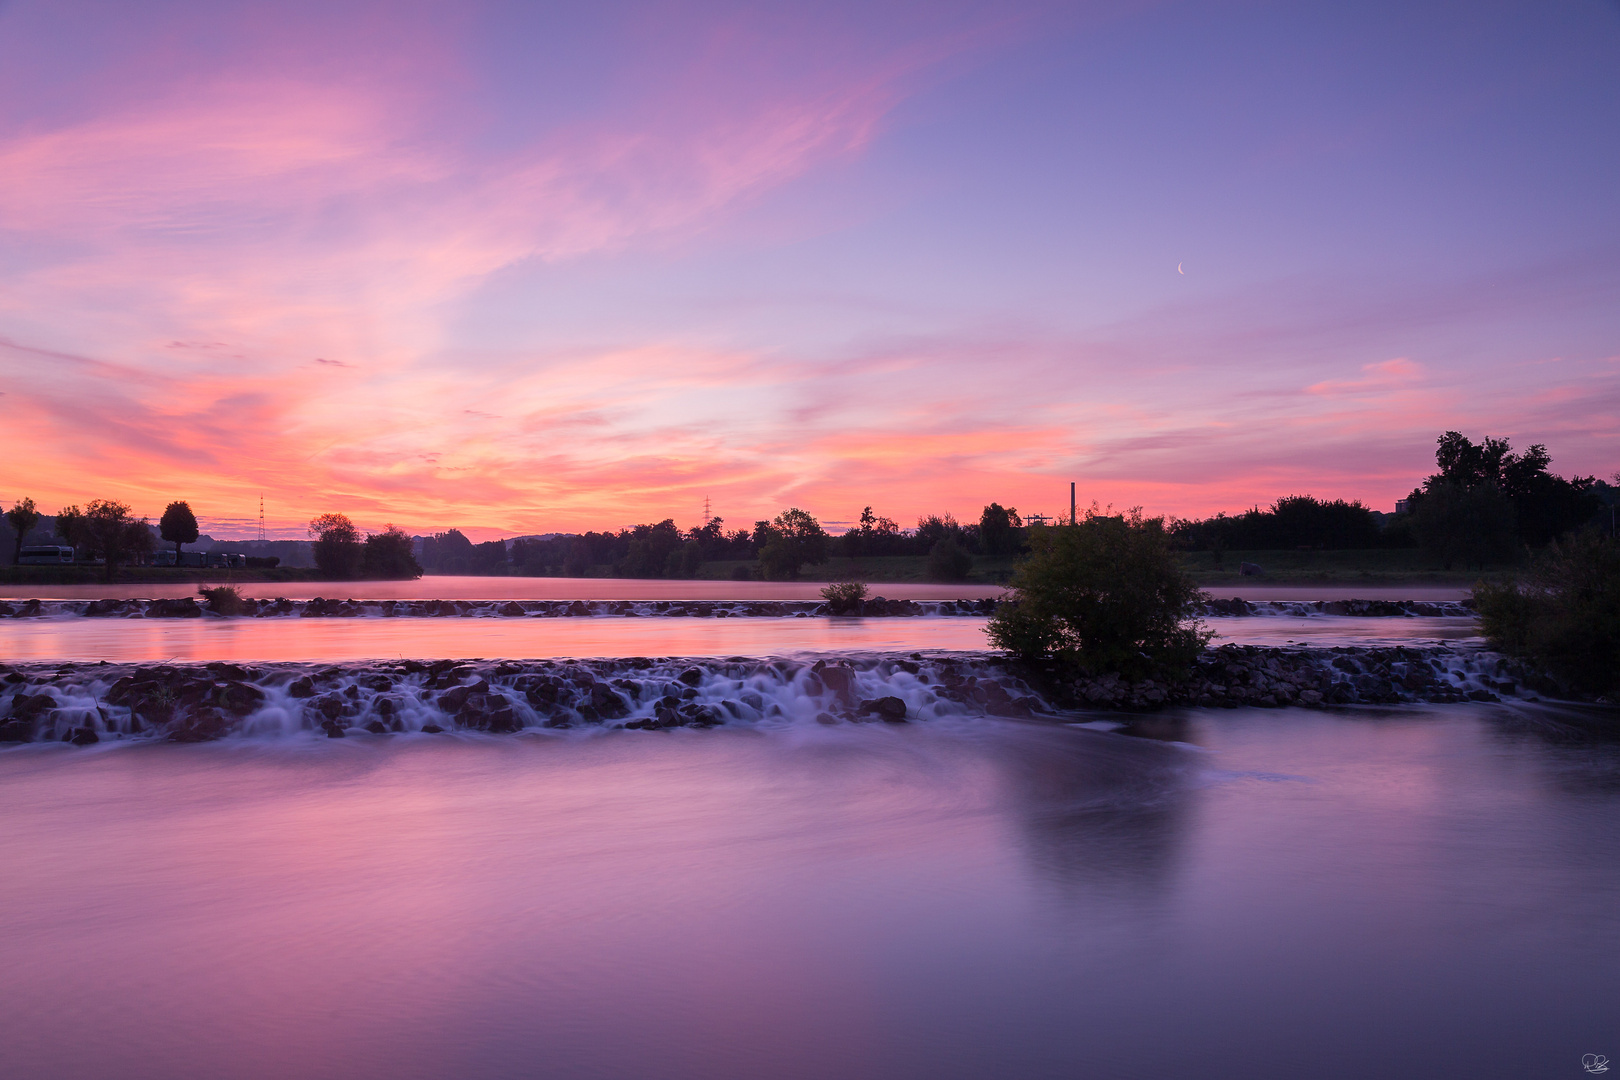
[{"x": 1365, "y": 892}]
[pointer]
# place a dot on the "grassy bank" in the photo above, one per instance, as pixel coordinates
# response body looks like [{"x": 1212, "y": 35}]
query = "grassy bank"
[
  {"x": 1373, "y": 567},
  {"x": 149, "y": 575},
  {"x": 1378, "y": 566},
  {"x": 891, "y": 569}
]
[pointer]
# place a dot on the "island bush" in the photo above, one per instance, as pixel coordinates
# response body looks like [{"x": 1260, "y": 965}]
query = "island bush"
[
  {"x": 1563, "y": 614},
  {"x": 844, "y": 597},
  {"x": 222, "y": 599},
  {"x": 1104, "y": 595}
]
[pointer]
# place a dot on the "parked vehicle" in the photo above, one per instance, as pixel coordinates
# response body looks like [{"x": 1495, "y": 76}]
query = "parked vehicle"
[{"x": 45, "y": 555}]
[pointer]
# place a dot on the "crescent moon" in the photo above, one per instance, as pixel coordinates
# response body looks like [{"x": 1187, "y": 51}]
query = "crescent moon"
[{"x": 1179, "y": 270}]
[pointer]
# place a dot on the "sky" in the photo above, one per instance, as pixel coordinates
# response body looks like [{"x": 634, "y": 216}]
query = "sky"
[{"x": 525, "y": 267}]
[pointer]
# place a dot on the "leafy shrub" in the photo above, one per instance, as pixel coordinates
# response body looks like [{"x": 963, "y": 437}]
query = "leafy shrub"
[
  {"x": 222, "y": 599},
  {"x": 1563, "y": 615},
  {"x": 844, "y": 597},
  {"x": 947, "y": 561},
  {"x": 1104, "y": 595}
]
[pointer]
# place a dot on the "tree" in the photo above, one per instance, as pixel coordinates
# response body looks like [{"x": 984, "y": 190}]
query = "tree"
[
  {"x": 178, "y": 526},
  {"x": 23, "y": 517},
  {"x": 1103, "y": 595},
  {"x": 1545, "y": 505},
  {"x": 874, "y": 536},
  {"x": 108, "y": 528},
  {"x": 1470, "y": 525},
  {"x": 339, "y": 552},
  {"x": 933, "y": 528},
  {"x": 1564, "y": 614},
  {"x": 947, "y": 561},
  {"x": 70, "y": 527},
  {"x": 388, "y": 556},
  {"x": 999, "y": 529},
  {"x": 649, "y": 550},
  {"x": 793, "y": 540}
]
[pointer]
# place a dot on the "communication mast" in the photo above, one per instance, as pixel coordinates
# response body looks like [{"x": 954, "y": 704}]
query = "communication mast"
[
  {"x": 706, "y": 517},
  {"x": 261, "y": 517}
]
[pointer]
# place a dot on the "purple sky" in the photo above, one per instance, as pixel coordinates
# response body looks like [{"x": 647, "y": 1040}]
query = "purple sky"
[{"x": 523, "y": 268}]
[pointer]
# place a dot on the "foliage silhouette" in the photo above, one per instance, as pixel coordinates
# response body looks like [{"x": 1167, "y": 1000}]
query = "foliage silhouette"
[
  {"x": 178, "y": 526},
  {"x": 1563, "y": 613},
  {"x": 22, "y": 518},
  {"x": 1103, "y": 595}
]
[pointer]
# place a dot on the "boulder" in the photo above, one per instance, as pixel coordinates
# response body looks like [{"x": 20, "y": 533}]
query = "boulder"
[{"x": 889, "y": 708}]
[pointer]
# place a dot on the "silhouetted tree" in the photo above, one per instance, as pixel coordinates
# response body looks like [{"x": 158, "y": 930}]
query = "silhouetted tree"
[
  {"x": 1471, "y": 525},
  {"x": 649, "y": 549},
  {"x": 1103, "y": 595},
  {"x": 794, "y": 539},
  {"x": 947, "y": 561},
  {"x": 70, "y": 527},
  {"x": 1545, "y": 505},
  {"x": 933, "y": 528},
  {"x": 178, "y": 526},
  {"x": 22, "y": 517},
  {"x": 1000, "y": 531},
  {"x": 874, "y": 535},
  {"x": 108, "y": 528},
  {"x": 388, "y": 556},
  {"x": 1294, "y": 521},
  {"x": 339, "y": 552}
]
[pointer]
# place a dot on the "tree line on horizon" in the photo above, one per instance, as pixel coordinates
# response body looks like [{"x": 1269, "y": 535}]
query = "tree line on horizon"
[
  {"x": 1484, "y": 504},
  {"x": 779, "y": 549}
]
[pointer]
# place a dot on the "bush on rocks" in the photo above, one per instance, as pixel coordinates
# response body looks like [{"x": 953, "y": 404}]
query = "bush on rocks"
[
  {"x": 1563, "y": 615},
  {"x": 1103, "y": 596}
]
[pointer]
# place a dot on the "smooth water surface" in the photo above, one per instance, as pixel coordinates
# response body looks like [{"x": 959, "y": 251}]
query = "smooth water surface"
[
  {"x": 453, "y": 587},
  {"x": 1413, "y": 893},
  {"x": 447, "y": 587},
  {"x": 339, "y": 640}
]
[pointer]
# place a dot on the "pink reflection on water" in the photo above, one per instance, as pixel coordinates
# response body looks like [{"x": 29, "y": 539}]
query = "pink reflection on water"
[
  {"x": 508, "y": 588},
  {"x": 523, "y": 588},
  {"x": 338, "y": 640}
]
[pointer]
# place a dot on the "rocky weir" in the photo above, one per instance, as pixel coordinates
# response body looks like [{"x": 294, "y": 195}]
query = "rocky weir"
[
  {"x": 874, "y": 607},
  {"x": 85, "y": 704}
]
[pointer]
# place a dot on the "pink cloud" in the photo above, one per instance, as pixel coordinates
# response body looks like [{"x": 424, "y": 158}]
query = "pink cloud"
[{"x": 1378, "y": 378}]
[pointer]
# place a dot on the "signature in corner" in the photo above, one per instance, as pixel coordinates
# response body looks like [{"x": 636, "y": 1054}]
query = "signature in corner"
[{"x": 1595, "y": 1063}]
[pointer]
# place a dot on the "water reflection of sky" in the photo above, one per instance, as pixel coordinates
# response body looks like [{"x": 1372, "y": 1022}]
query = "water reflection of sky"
[
  {"x": 1402, "y": 894},
  {"x": 450, "y": 587},
  {"x": 335, "y": 640}
]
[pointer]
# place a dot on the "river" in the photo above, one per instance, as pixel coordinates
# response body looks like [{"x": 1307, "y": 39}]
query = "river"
[{"x": 1394, "y": 892}]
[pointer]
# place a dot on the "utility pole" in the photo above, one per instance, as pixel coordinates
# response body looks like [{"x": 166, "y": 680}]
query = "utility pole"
[{"x": 1071, "y": 503}]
